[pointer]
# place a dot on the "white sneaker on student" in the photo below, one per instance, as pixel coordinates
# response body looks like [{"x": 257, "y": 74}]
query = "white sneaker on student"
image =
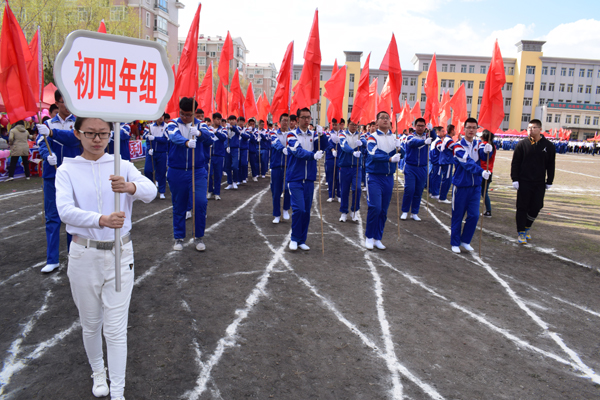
[
  {"x": 209, "y": 195},
  {"x": 329, "y": 200},
  {"x": 446, "y": 201},
  {"x": 304, "y": 247},
  {"x": 364, "y": 189},
  {"x": 467, "y": 246},
  {"x": 456, "y": 249},
  {"x": 50, "y": 268},
  {"x": 379, "y": 245},
  {"x": 293, "y": 245},
  {"x": 404, "y": 216},
  {"x": 286, "y": 214},
  {"x": 217, "y": 197},
  {"x": 343, "y": 217},
  {"x": 262, "y": 176},
  {"x": 178, "y": 246},
  {"x": 200, "y": 246},
  {"x": 244, "y": 181},
  {"x": 235, "y": 186},
  {"x": 188, "y": 215},
  {"x": 100, "y": 388},
  {"x": 339, "y": 199},
  {"x": 415, "y": 217},
  {"x": 255, "y": 179},
  {"x": 276, "y": 220},
  {"x": 161, "y": 196},
  {"x": 356, "y": 216},
  {"x": 228, "y": 187},
  {"x": 369, "y": 244}
]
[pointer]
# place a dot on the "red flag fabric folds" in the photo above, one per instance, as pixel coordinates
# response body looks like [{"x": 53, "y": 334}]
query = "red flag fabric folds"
[
  {"x": 35, "y": 66},
  {"x": 362, "y": 95},
  {"x": 283, "y": 92},
  {"x": 405, "y": 118},
  {"x": 391, "y": 63},
  {"x": 458, "y": 103},
  {"x": 432, "y": 103},
  {"x": 222, "y": 100},
  {"x": 226, "y": 57},
  {"x": 306, "y": 91},
  {"x": 330, "y": 109},
  {"x": 102, "y": 27},
  {"x": 335, "y": 89},
  {"x": 416, "y": 111},
  {"x": 204, "y": 95},
  {"x": 491, "y": 113},
  {"x": 236, "y": 105},
  {"x": 263, "y": 107},
  {"x": 370, "y": 110},
  {"x": 250, "y": 104},
  {"x": 445, "y": 113}
]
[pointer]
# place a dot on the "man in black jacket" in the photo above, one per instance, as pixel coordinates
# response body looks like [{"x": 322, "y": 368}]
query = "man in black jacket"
[{"x": 532, "y": 173}]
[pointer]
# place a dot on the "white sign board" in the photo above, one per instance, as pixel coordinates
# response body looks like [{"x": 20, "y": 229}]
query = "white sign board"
[{"x": 115, "y": 78}]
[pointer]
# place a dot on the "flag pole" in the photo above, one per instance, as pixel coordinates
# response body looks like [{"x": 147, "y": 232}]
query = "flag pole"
[
  {"x": 357, "y": 187},
  {"x": 487, "y": 167},
  {"x": 319, "y": 189},
  {"x": 117, "y": 156}
]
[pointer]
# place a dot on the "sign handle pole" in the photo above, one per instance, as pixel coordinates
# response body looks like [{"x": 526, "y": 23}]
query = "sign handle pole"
[{"x": 117, "y": 154}]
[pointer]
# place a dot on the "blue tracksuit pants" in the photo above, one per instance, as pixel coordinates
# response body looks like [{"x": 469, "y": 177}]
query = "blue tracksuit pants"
[
  {"x": 435, "y": 180},
  {"x": 348, "y": 179},
  {"x": 216, "y": 175},
  {"x": 446, "y": 174},
  {"x": 53, "y": 223},
  {"x": 415, "y": 179},
  {"x": 379, "y": 195},
  {"x": 253, "y": 164},
  {"x": 180, "y": 183},
  {"x": 301, "y": 197},
  {"x": 160, "y": 169},
  {"x": 277, "y": 178},
  {"x": 243, "y": 174},
  {"x": 332, "y": 175},
  {"x": 464, "y": 200},
  {"x": 232, "y": 165},
  {"x": 264, "y": 161}
]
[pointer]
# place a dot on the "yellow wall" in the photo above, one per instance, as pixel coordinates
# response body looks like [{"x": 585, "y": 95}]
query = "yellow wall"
[{"x": 518, "y": 90}]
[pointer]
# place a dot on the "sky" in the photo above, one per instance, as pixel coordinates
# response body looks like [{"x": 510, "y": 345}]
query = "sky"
[{"x": 457, "y": 27}]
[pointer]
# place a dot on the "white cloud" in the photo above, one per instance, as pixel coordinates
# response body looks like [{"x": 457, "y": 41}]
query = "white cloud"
[{"x": 577, "y": 39}]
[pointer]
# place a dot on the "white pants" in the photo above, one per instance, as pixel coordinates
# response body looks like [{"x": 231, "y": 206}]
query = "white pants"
[{"x": 92, "y": 277}]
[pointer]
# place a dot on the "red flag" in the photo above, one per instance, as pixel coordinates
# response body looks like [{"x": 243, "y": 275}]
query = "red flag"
[
  {"x": 491, "y": 113},
  {"x": 250, "y": 103},
  {"x": 226, "y": 57},
  {"x": 306, "y": 91},
  {"x": 186, "y": 81},
  {"x": 222, "y": 100},
  {"x": 416, "y": 111},
  {"x": 385, "y": 99},
  {"x": 236, "y": 105},
  {"x": 362, "y": 95},
  {"x": 102, "y": 27},
  {"x": 458, "y": 103},
  {"x": 391, "y": 63},
  {"x": 14, "y": 79},
  {"x": 445, "y": 113},
  {"x": 405, "y": 118},
  {"x": 204, "y": 95},
  {"x": 334, "y": 91},
  {"x": 263, "y": 107},
  {"x": 35, "y": 66},
  {"x": 369, "y": 113},
  {"x": 330, "y": 109},
  {"x": 432, "y": 104},
  {"x": 283, "y": 92}
]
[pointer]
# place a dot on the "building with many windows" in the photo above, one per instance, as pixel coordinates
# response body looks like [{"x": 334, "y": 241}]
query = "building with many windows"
[{"x": 264, "y": 79}]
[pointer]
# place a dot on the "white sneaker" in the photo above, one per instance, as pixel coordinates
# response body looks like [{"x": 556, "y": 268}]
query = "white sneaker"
[
  {"x": 229, "y": 187},
  {"x": 178, "y": 246},
  {"x": 254, "y": 179},
  {"x": 276, "y": 220},
  {"x": 235, "y": 186},
  {"x": 404, "y": 216},
  {"x": 286, "y": 214},
  {"x": 343, "y": 217},
  {"x": 100, "y": 388},
  {"x": 456, "y": 249},
  {"x": 369, "y": 244},
  {"x": 415, "y": 217},
  {"x": 200, "y": 246},
  {"x": 161, "y": 196},
  {"x": 188, "y": 215},
  {"x": 244, "y": 181},
  {"x": 379, "y": 245},
  {"x": 217, "y": 197},
  {"x": 156, "y": 183},
  {"x": 356, "y": 216},
  {"x": 329, "y": 200},
  {"x": 209, "y": 195},
  {"x": 10, "y": 178},
  {"x": 293, "y": 245},
  {"x": 304, "y": 247},
  {"x": 49, "y": 268},
  {"x": 467, "y": 246},
  {"x": 28, "y": 178},
  {"x": 445, "y": 201},
  {"x": 364, "y": 189},
  {"x": 339, "y": 200},
  {"x": 434, "y": 197},
  {"x": 262, "y": 176}
]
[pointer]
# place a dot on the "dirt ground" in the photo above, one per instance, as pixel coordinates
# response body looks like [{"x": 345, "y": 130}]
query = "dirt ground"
[{"x": 250, "y": 319}]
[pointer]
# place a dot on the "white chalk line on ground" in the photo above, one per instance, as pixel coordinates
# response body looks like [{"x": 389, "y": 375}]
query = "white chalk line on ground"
[
  {"x": 587, "y": 371},
  {"x": 21, "y": 222},
  {"x": 21, "y": 272},
  {"x": 23, "y": 233},
  {"x": 578, "y": 173},
  {"x": 17, "y": 194},
  {"x": 21, "y": 208},
  {"x": 152, "y": 215}
]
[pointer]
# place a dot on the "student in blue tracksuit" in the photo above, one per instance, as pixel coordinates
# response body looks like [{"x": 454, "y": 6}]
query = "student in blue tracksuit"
[
  {"x": 157, "y": 146},
  {"x": 253, "y": 152},
  {"x": 63, "y": 143},
  {"x": 446, "y": 163},
  {"x": 350, "y": 160},
  {"x": 332, "y": 151},
  {"x": 232, "y": 158},
  {"x": 187, "y": 136},
  {"x": 415, "y": 169},
  {"x": 279, "y": 158},
  {"x": 244, "y": 145},
  {"x": 265, "y": 148},
  {"x": 125, "y": 135},
  {"x": 467, "y": 186},
  {"x": 435, "y": 173},
  {"x": 300, "y": 176},
  {"x": 217, "y": 156},
  {"x": 382, "y": 161}
]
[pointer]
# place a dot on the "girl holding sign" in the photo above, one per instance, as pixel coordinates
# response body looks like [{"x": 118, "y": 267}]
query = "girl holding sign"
[{"x": 85, "y": 190}]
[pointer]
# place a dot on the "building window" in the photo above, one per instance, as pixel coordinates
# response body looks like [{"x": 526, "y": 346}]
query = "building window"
[
  {"x": 351, "y": 77},
  {"x": 469, "y": 84},
  {"x": 163, "y": 43},
  {"x": 451, "y": 84},
  {"x": 549, "y": 118},
  {"x": 552, "y": 70},
  {"x": 576, "y": 119},
  {"x": 543, "y": 86},
  {"x": 589, "y": 73},
  {"x": 444, "y": 67},
  {"x": 557, "y": 118},
  {"x": 404, "y": 81},
  {"x": 482, "y": 69},
  {"x": 443, "y": 83},
  {"x": 596, "y": 120},
  {"x": 423, "y": 98},
  {"x": 260, "y": 72},
  {"x": 296, "y": 76},
  {"x": 162, "y": 4},
  {"x": 542, "y": 102},
  {"x": 563, "y": 72},
  {"x": 568, "y": 119},
  {"x": 588, "y": 89},
  {"x": 597, "y": 89},
  {"x": 411, "y": 97},
  {"x": 471, "y": 69},
  {"x": 507, "y": 102},
  {"x": 413, "y": 81},
  {"x": 580, "y": 89},
  {"x": 453, "y": 69},
  {"x": 525, "y": 117},
  {"x": 587, "y": 119},
  {"x": 201, "y": 60},
  {"x": 582, "y": 73},
  {"x": 530, "y": 70},
  {"x": 148, "y": 19},
  {"x": 469, "y": 99},
  {"x": 404, "y": 96},
  {"x": 510, "y": 70},
  {"x": 571, "y": 71},
  {"x": 570, "y": 88},
  {"x": 527, "y": 101},
  {"x": 528, "y": 85},
  {"x": 425, "y": 66},
  {"x": 479, "y": 99},
  {"x": 259, "y": 81},
  {"x": 506, "y": 117},
  {"x": 481, "y": 85},
  {"x": 350, "y": 108},
  {"x": 561, "y": 87},
  {"x": 161, "y": 25},
  {"x": 250, "y": 76},
  {"x": 351, "y": 93},
  {"x": 508, "y": 86},
  {"x": 212, "y": 54},
  {"x": 119, "y": 13},
  {"x": 551, "y": 87},
  {"x": 423, "y": 82},
  {"x": 202, "y": 47},
  {"x": 463, "y": 68},
  {"x": 544, "y": 70}
]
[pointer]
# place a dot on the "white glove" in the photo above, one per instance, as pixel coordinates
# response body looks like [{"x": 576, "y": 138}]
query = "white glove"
[
  {"x": 319, "y": 155},
  {"x": 358, "y": 144},
  {"x": 335, "y": 139},
  {"x": 486, "y": 175},
  {"x": 548, "y": 187},
  {"x": 228, "y": 150},
  {"x": 194, "y": 131},
  {"x": 395, "y": 158},
  {"x": 516, "y": 185},
  {"x": 398, "y": 143},
  {"x": 356, "y": 154},
  {"x": 285, "y": 151},
  {"x": 52, "y": 160},
  {"x": 429, "y": 126},
  {"x": 151, "y": 151},
  {"x": 43, "y": 129},
  {"x": 334, "y": 153},
  {"x": 319, "y": 130},
  {"x": 428, "y": 141},
  {"x": 191, "y": 143},
  {"x": 150, "y": 137},
  {"x": 488, "y": 148}
]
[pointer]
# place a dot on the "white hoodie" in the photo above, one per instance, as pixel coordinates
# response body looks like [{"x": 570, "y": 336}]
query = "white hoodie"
[{"x": 84, "y": 194}]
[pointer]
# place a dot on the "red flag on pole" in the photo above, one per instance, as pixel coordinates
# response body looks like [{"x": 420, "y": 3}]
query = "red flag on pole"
[
  {"x": 391, "y": 63},
  {"x": 330, "y": 109},
  {"x": 222, "y": 100},
  {"x": 385, "y": 99},
  {"x": 186, "y": 81},
  {"x": 405, "y": 118},
  {"x": 236, "y": 105},
  {"x": 416, "y": 111},
  {"x": 362, "y": 95},
  {"x": 370, "y": 110},
  {"x": 102, "y": 27},
  {"x": 250, "y": 104},
  {"x": 263, "y": 107},
  {"x": 432, "y": 103},
  {"x": 334, "y": 91},
  {"x": 283, "y": 92},
  {"x": 491, "y": 113},
  {"x": 458, "y": 103},
  {"x": 14, "y": 80},
  {"x": 204, "y": 95},
  {"x": 226, "y": 57},
  {"x": 445, "y": 113},
  {"x": 35, "y": 66},
  {"x": 306, "y": 91}
]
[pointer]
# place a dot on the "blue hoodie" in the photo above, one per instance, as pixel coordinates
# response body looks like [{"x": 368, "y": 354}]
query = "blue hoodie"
[
  {"x": 446, "y": 153},
  {"x": 63, "y": 143},
  {"x": 180, "y": 156},
  {"x": 160, "y": 144},
  {"x": 278, "y": 143},
  {"x": 466, "y": 158},
  {"x": 348, "y": 144},
  {"x": 301, "y": 159},
  {"x": 416, "y": 150},
  {"x": 380, "y": 147},
  {"x": 219, "y": 141}
]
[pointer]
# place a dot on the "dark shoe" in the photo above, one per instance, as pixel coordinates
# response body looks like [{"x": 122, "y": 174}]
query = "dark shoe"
[{"x": 487, "y": 214}]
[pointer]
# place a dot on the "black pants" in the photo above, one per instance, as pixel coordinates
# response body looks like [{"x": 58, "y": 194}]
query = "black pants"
[
  {"x": 13, "y": 165},
  {"x": 530, "y": 200}
]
